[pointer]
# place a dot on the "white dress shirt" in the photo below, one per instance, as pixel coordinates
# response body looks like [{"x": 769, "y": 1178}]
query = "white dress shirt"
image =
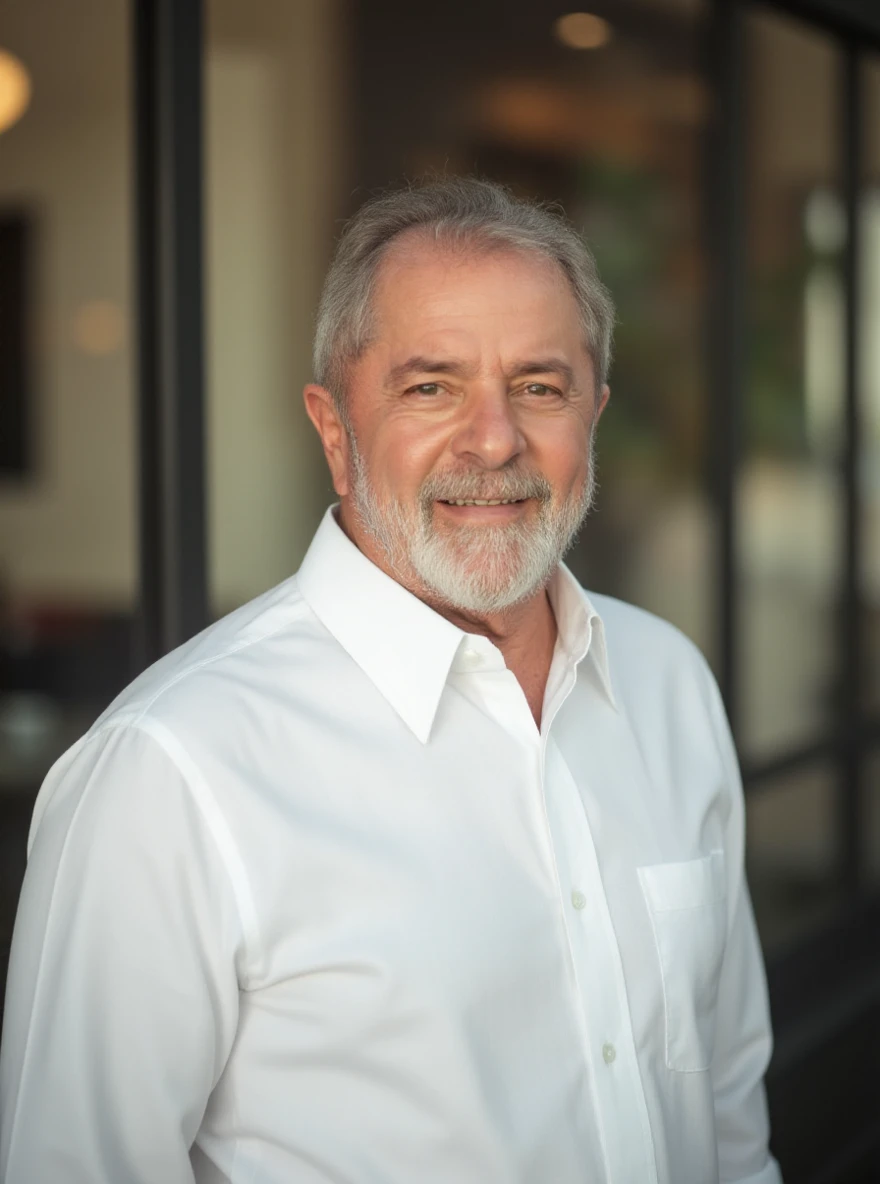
[{"x": 316, "y": 902}]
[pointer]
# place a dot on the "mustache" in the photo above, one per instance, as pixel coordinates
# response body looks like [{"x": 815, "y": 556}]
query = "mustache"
[{"x": 507, "y": 485}]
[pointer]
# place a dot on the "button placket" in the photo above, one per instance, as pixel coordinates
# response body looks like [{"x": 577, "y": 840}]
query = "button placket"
[{"x": 601, "y": 997}]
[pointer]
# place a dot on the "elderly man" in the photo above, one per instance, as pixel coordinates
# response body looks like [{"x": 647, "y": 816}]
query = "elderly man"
[{"x": 425, "y": 866}]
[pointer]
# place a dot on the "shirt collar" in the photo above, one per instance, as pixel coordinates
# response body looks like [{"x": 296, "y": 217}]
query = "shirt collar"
[
  {"x": 404, "y": 647},
  {"x": 581, "y": 629}
]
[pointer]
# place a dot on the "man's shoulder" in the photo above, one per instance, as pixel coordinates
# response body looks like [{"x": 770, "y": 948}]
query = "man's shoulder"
[{"x": 212, "y": 664}]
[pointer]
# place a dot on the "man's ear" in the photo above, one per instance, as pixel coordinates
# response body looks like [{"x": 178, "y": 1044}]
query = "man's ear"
[
  {"x": 602, "y": 401},
  {"x": 323, "y": 413}
]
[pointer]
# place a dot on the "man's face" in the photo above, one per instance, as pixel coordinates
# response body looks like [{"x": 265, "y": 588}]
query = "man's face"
[{"x": 476, "y": 388}]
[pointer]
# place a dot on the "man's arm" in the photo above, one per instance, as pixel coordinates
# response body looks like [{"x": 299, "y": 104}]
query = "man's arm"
[
  {"x": 743, "y": 1038},
  {"x": 122, "y": 996}
]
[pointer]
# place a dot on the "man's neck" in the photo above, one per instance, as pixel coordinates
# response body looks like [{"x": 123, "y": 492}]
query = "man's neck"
[
  {"x": 518, "y": 632},
  {"x": 525, "y": 633}
]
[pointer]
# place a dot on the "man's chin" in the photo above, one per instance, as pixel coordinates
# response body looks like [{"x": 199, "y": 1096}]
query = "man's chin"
[
  {"x": 474, "y": 530},
  {"x": 476, "y": 556},
  {"x": 483, "y": 601},
  {"x": 466, "y": 583}
]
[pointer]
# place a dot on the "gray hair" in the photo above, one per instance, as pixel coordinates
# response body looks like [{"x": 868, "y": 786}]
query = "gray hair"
[{"x": 461, "y": 212}]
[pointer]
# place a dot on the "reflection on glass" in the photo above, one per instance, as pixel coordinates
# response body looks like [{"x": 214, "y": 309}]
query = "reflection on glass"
[
  {"x": 273, "y": 193},
  {"x": 790, "y": 853},
  {"x": 650, "y": 541},
  {"x": 67, "y": 471},
  {"x": 869, "y": 381},
  {"x": 789, "y": 499}
]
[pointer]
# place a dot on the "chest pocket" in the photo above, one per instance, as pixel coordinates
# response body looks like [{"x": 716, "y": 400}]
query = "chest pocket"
[{"x": 687, "y": 906}]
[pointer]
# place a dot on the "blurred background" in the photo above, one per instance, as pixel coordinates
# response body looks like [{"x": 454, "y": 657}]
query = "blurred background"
[{"x": 172, "y": 178}]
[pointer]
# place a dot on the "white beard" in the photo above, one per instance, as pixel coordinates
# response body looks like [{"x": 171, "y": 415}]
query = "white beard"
[{"x": 479, "y": 570}]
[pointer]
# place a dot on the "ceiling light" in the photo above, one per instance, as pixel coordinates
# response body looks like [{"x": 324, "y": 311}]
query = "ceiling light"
[
  {"x": 15, "y": 89},
  {"x": 582, "y": 30}
]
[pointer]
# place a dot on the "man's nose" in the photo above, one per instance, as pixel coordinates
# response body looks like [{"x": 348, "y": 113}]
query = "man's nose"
[{"x": 488, "y": 432}]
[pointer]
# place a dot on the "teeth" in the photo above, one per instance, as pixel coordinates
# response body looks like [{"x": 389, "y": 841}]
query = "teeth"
[{"x": 485, "y": 502}]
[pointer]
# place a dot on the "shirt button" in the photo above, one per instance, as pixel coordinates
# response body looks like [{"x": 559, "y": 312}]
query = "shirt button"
[
  {"x": 470, "y": 658},
  {"x": 578, "y": 899},
  {"x": 609, "y": 1052}
]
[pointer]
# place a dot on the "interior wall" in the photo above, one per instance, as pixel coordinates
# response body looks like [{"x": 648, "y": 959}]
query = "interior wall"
[{"x": 274, "y": 143}]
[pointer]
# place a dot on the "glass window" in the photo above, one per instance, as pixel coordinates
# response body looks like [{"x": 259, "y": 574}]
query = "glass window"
[
  {"x": 788, "y": 489},
  {"x": 68, "y": 530}
]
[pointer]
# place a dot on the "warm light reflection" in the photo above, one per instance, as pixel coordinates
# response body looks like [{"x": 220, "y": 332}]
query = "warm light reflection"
[
  {"x": 98, "y": 328},
  {"x": 588, "y": 116},
  {"x": 582, "y": 30},
  {"x": 15, "y": 90}
]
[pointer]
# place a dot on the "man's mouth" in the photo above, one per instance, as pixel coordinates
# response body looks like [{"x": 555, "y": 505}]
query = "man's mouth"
[{"x": 477, "y": 501}]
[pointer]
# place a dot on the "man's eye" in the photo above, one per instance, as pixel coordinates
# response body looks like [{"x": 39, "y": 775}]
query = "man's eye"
[
  {"x": 540, "y": 388},
  {"x": 425, "y": 388}
]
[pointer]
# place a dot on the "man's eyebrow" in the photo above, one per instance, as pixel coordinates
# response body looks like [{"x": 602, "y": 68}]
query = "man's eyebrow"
[
  {"x": 543, "y": 366},
  {"x": 424, "y": 365}
]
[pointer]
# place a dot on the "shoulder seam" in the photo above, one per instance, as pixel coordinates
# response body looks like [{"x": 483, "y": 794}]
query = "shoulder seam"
[{"x": 191, "y": 669}]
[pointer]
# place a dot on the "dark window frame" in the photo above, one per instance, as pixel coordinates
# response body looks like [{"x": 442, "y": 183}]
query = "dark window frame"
[{"x": 855, "y": 733}]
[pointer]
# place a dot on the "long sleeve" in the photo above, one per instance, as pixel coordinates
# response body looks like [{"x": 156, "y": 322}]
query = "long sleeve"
[
  {"x": 122, "y": 997},
  {"x": 743, "y": 1038}
]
